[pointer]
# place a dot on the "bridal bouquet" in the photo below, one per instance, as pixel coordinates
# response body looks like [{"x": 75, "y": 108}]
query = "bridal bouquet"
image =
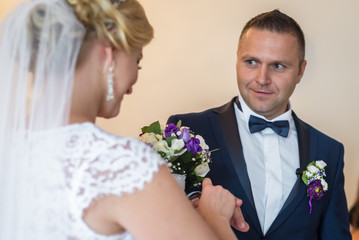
[{"x": 186, "y": 154}]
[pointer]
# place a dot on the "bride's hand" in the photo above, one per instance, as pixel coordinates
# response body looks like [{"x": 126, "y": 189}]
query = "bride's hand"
[
  {"x": 237, "y": 220},
  {"x": 216, "y": 201}
]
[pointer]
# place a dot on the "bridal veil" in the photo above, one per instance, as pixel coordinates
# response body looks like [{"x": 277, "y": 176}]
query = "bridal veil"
[{"x": 39, "y": 44}]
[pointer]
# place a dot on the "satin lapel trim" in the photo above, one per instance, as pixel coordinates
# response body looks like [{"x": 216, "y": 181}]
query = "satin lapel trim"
[
  {"x": 237, "y": 165},
  {"x": 299, "y": 189}
]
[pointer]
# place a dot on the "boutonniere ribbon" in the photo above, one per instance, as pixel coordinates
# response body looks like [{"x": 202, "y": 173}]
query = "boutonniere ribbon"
[{"x": 313, "y": 177}]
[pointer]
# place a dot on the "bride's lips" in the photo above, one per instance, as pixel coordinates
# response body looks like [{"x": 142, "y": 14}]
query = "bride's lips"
[{"x": 129, "y": 91}]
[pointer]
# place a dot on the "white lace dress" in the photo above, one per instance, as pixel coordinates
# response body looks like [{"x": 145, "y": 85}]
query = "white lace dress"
[{"x": 86, "y": 163}]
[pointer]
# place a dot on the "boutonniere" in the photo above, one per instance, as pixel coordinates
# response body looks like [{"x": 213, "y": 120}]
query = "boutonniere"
[{"x": 313, "y": 177}]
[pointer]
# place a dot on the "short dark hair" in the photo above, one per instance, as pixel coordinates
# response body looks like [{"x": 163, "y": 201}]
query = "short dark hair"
[{"x": 276, "y": 21}]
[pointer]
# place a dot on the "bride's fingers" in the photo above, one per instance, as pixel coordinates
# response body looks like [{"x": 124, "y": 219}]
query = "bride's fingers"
[
  {"x": 222, "y": 205},
  {"x": 206, "y": 182},
  {"x": 195, "y": 202},
  {"x": 239, "y": 202},
  {"x": 237, "y": 220}
]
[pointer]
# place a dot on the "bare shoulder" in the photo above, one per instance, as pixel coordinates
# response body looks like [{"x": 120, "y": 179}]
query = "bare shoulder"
[{"x": 159, "y": 211}]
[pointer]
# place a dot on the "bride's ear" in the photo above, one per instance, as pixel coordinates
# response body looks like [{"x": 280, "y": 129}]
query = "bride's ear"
[{"x": 108, "y": 57}]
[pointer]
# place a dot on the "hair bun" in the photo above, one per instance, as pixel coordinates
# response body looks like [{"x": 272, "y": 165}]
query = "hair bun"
[
  {"x": 121, "y": 22},
  {"x": 85, "y": 10}
]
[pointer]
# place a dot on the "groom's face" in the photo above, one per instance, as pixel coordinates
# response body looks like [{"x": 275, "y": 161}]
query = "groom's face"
[{"x": 268, "y": 70}]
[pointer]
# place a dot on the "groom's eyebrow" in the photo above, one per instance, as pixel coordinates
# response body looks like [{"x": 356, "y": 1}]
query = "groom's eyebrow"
[{"x": 273, "y": 61}]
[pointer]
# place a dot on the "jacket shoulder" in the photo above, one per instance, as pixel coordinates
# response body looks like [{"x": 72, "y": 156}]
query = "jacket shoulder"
[
  {"x": 201, "y": 114},
  {"x": 321, "y": 136}
]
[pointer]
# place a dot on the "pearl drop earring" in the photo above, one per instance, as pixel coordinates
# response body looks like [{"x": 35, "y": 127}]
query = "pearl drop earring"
[{"x": 110, "y": 76}]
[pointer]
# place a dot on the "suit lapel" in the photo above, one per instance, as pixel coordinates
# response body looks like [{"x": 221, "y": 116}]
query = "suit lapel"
[
  {"x": 299, "y": 189},
  {"x": 236, "y": 166}
]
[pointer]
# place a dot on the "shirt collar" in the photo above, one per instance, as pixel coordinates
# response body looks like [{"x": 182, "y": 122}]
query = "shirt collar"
[{"x": 246, "y": 112}]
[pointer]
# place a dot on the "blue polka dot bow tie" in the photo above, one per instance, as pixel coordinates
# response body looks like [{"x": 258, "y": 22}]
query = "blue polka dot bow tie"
[{"x": 257, "y": 124}]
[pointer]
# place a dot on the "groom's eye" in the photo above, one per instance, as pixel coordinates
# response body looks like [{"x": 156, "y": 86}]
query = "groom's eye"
[
  {"x": 278, "y": 66},
  {"x": 251, "y": 63}
]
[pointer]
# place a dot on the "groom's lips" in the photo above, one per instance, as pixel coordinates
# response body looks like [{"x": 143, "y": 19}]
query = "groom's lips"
[{"x": 261, "y": 93}]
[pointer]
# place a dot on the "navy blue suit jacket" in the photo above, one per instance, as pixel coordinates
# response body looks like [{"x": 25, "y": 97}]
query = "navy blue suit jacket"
[{"x": 329, "y": 217}]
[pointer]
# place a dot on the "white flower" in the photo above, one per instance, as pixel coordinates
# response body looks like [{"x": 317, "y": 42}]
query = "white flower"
[
  {"x": 308, "y": 174},
  {"x": 162, "y": 146},
  {"x": 202, "y": 143},
  {"x": 313, "y": 169},
  {"x": 159, "y": 137},
  {"x": 177, "y": 144},
  {"x": 202, "y": 170},
  {"x": 149, "y": 138},
  {"x": 320, "y": 164},
  {"x": 324, "y": 184}
]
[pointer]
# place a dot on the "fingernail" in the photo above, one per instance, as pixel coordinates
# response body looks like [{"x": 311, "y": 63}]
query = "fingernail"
[
  {"x": 194, "y": 199},
  {"x": 242, "y": 225}
]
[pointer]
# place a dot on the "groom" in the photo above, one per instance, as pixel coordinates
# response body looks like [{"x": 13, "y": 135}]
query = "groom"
[{"x": 264, "y": 147}]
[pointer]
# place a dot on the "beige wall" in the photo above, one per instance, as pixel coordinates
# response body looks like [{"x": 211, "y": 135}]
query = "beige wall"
[
  {"x": 190, "y": 65},
  {"x": 8, "y": 5}
]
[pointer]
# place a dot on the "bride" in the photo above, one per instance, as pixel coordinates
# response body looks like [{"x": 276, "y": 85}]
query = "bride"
[{"x": 64, "y": 63}]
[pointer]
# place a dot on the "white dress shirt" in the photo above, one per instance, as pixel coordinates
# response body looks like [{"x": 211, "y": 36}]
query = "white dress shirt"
[{"x": 271, "y": 162}]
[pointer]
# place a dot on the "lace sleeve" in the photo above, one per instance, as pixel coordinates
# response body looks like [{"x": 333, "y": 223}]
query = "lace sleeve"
[{"x": 120, "y": 167}]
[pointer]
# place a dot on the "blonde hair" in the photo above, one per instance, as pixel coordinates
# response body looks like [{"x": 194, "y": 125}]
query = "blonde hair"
[{"x": 122, "y": 23}]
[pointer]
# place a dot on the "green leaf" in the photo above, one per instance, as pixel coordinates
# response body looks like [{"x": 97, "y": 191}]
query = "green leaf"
[
  {"x": 186, "y": 157},
  {"x": 169, "y": 141},
  {"x": 155, "y": 127},
  {"x": 193, "y": 166},
  {"x": 192, "y": 179},
  {"x": 304, "y": 178},
  {"x": 173, "y": 159},
  {"x": 179, "y": 124},
  {"x": 213, "y": 150},
  {"x": 162, "y": 154}
]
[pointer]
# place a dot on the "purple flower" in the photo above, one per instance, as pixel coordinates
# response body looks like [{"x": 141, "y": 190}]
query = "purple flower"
[
  {"x": 171, "y": 128},
  {"x": 185, "y": 135},
  {"x": 322, "y": 173},
  {"x": 315, "y": 191},
  {"x": 193, "y": 146}
]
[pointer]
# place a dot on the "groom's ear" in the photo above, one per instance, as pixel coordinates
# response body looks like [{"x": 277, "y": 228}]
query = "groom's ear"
[{"x": 302, "y": 66}]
